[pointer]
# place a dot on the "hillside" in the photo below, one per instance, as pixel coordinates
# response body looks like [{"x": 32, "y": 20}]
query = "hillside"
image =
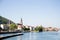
[{"x": 5, "y": 20}]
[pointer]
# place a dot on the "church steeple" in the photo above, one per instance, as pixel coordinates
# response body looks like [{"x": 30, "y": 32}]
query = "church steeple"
[
  {"x": 21, "y": 22},
  {"x": 20, "y": 25}
]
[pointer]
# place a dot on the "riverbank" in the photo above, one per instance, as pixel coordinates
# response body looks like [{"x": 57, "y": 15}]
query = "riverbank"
[
  {"x": 11, "y": 36},
  {"x": 8, "y": 32}
]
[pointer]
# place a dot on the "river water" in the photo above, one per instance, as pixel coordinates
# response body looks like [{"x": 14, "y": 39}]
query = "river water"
[{"x": 37, "y": 36}]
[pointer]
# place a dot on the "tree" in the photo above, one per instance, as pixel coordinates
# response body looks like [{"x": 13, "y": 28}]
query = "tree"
[
  {"x": 4, "y": 20},
  {"x": 26, "y": 29},
  {"x": 39, "y": 28},
  {"x": 13, "y": 27}
]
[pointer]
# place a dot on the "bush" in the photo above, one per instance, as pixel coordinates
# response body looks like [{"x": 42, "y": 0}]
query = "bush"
[
  {"x": 26, "y": 29},
  {"x": 39, "y": 28},
  {"x": 12, "y": 26}
]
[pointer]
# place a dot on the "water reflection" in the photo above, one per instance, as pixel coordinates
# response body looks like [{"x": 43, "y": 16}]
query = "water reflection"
[
  {"x": 34, "y": 37},
  {"x": 19, "y": 38},
  {"x": 37, "y": 36},
  {"x": 30, "y": 36}
]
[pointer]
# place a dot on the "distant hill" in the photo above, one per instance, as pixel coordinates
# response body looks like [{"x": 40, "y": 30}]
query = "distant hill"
[{"x": 5, "y": 20}]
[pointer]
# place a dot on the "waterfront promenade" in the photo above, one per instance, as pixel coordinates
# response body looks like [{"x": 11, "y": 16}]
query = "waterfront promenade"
[{"x": 9, "y": 35}]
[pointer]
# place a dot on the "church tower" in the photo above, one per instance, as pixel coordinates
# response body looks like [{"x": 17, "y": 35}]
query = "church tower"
[
  {"x": 20, "y": 25},
  {"x": 21, "y": 22}
]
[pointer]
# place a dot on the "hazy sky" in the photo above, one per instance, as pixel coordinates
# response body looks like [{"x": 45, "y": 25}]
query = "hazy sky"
[{"x": 33, "y": 12}]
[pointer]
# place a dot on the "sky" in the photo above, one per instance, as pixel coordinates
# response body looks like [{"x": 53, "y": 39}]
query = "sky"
[{"x": 33, "y": 12}]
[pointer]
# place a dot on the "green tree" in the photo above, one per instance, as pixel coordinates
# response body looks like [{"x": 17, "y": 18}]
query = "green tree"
[
  {"x": 4, "y": 20},
  {"x": 39, "y": 28},
  {"x": 13, "y": 27},
  {"x": 26, "y": 29}
]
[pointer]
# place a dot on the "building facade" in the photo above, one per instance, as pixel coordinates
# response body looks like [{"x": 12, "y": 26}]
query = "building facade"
[{"x": 20, "y": 25}]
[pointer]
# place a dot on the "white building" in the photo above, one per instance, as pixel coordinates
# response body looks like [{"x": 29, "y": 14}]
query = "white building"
[
  {"x": 30, "y": 27},
  {"x": 2, "y": 26}
]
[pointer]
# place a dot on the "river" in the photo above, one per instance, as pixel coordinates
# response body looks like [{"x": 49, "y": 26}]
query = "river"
[{"x": 37, "y": 36}]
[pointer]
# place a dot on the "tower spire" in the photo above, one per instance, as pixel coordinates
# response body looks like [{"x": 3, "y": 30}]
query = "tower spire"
[{"x": 21, "y": 21}]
